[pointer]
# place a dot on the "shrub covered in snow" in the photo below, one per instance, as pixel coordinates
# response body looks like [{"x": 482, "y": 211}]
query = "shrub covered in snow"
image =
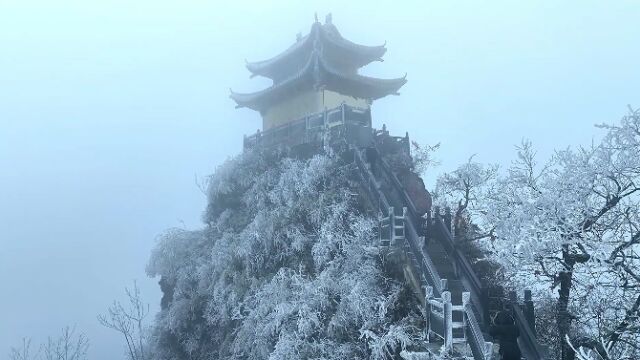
[{"x": 286, "y": 267}]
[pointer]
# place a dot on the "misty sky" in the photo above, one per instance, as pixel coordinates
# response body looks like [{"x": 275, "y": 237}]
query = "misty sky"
[{"x": 110, "y": 111}]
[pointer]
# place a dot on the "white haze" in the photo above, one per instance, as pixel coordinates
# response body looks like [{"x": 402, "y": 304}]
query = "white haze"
[{"x": 109, "y": 111}]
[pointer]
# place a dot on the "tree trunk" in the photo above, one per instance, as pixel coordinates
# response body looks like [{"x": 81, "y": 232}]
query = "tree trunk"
[{"x": 563, "y": 318}]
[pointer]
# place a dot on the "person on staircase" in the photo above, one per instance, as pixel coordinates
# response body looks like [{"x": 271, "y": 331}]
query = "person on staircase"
[{"x": 504, "y": 329}]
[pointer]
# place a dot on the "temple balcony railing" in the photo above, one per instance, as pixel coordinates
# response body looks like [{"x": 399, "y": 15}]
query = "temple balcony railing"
[
  {"x": 385, "y": 142},
  {"x": 345, "y": 122}
]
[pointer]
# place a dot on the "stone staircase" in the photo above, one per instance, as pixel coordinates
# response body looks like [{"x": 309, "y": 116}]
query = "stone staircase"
[{"x": 430, "y": 271}]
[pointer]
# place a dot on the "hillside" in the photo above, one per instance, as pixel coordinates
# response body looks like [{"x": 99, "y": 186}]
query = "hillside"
[{"x": 286, "y": 266}]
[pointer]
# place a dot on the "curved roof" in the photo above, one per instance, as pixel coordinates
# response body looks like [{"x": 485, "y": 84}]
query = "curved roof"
[
  {"x": 336, "y": 49},
  {"x": 317, "y": 72}
]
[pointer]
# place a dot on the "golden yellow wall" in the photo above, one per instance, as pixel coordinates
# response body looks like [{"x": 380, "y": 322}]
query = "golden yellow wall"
[
  {"x": 304, "y": 104},
  {"x": 292, "y": 109},
  {"x": 333, "y": 99}
]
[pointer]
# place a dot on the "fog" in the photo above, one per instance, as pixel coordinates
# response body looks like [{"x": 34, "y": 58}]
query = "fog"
[{"x": 111, "y": 113}]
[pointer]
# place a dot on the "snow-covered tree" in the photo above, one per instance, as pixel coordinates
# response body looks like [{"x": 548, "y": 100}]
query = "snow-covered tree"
[
  {"x": 422, "y": 157},
  {"x": 464, "y": 190},
  {"x": 602, "y": 351},
  {"x": 287, "y": 267},
  {"x": 571, "y": 224}
]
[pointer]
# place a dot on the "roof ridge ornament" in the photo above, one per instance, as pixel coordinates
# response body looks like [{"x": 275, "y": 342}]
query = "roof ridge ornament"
[
  {"x": 352, "y": 54},
  {"x": 321, "y": 58}
]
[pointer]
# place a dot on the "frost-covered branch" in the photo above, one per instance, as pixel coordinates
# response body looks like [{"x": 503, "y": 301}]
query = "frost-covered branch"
[
  {"x": 68, "y": 346},
  {"x": 570, "y": 224},
  {"x": 24, "y": 351},
  {"x": 129, "y": 321}
]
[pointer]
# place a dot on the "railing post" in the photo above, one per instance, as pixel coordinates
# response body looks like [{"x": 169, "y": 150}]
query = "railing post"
[
  {"x": 448, "y": 319},
  {"x": 403, "y": 225},
  {"x": 380, "y": 217},
  {"x": 466, "y": 300},
  {"x": 529, "y": 311},
  {"x": 513, "y": 302},
  {"x": 407, "y": 144},
  {"x": 324, "y": 118},
  {"x": 392, "y": 225},
  {"x": 513, "y": 297},
  {"x": 427, "y": 223},
  {"x": 428, "y": 295}
]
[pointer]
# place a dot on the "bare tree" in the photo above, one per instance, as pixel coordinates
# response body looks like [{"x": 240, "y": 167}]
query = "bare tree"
[
  {"x": 68, "y": 346},
  {"x": 24, "y": 352},
  {"x": 129, "y": 322}
]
